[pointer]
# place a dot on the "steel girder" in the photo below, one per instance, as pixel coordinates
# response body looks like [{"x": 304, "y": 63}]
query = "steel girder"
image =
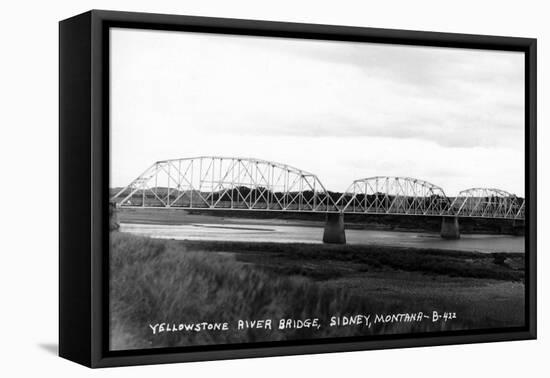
[
  {"x": 214, "y": 182},
  {"x": 489, "y": 203},
  {"x": 394, "y": 195},
  {"x": 230, "y": 183}
]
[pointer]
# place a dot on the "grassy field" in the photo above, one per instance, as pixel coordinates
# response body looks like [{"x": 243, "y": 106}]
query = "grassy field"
[{"x": 167, "y": 281}]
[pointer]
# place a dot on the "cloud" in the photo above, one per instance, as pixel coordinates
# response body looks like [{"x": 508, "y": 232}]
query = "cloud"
[
  {"x": 453, "y": 97},
  {"x": 176, "y": 93}
]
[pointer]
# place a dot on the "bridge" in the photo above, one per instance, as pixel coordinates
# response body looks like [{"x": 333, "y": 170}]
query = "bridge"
[{"x": 237, "y": 184}]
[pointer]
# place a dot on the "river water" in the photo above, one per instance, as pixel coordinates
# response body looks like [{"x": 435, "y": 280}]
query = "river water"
[{"x": 309, "y": 234}]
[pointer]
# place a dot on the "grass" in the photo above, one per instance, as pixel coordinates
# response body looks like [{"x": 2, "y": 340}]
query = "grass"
[
  {"x": 154, "y": 281},
  {"x": 428, "y": 261}
]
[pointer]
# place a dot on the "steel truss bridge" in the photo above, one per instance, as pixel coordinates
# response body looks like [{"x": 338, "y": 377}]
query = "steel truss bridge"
[{"x": 231, "y": 183}]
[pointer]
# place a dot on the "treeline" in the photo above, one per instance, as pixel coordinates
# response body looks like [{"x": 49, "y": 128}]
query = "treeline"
[{"x": 244, "y": 192}]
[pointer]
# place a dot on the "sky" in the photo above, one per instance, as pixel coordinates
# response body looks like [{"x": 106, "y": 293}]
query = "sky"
[{"x": 341, "y": 110}]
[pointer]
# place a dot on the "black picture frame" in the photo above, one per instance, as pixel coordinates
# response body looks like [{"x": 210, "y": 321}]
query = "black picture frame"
[{"x": 84, "y": 175}]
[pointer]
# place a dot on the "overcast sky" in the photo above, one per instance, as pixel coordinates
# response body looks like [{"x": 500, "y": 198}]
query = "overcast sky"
[{"x": 343, "y": 111}]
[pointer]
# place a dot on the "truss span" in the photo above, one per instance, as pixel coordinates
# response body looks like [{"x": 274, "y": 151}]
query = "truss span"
[
  {"x": 230, "y": 183},
  {"x": 394, "y": 195},
  {"x": 488, "y": 203}
]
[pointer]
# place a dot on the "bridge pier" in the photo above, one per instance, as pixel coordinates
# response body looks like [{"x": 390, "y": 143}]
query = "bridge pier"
[
  {"x": 334, "y": 229},
  {"x": 450, "y": 228}
]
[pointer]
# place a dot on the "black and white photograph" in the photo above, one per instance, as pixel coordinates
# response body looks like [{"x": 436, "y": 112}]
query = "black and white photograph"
[
  {"x": 270, "y": 189},
  {"x": 275, "y": 189}
]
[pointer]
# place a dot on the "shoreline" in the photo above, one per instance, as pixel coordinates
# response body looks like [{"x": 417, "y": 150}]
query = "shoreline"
[
  {"x": 266, "y": 232},
  {"x": 373, "y": 222}
]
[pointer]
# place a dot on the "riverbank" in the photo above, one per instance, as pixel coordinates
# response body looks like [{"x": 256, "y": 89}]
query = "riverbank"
[
  {"x": 304, "y": 234},
  {"x": 155, "y": 281},
  {"x": 404, "y": 223}
]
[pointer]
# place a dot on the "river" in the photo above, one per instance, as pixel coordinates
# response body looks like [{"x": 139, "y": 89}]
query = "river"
[{"x": 308, "y": 234}]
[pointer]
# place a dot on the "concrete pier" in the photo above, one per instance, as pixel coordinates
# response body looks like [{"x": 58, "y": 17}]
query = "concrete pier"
[
  {"x": 450, "y": 228},
  {"x": 334, "y": 229}
]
